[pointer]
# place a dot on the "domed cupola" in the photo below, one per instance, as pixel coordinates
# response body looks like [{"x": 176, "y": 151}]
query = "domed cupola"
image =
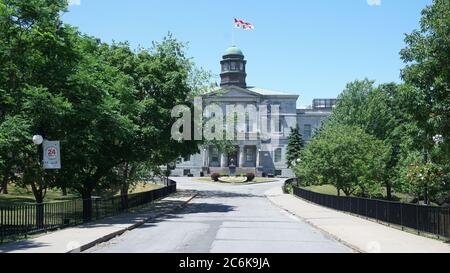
[{"x": 233, "y": 68}]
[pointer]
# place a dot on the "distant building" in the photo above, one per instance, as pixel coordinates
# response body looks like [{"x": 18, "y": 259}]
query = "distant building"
[{"x": 262, "y": 155}]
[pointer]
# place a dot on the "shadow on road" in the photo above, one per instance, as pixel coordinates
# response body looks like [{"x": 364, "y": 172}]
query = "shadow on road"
[
  {"x": 22, "y": 245},
  {"x": 197, "y": 208},
  {"x": 203, "y": 194}
]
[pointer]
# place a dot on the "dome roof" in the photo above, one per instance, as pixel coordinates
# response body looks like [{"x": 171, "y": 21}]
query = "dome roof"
[{"x": 233, "y": 50}]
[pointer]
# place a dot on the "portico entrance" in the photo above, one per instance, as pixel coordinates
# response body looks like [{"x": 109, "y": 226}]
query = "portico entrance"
[{"x": 245, "y": 158}]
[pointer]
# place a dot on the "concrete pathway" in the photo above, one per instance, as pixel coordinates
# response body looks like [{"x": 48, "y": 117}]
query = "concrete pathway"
[
  {"x": 82, "y": 237},
  {"x": 225, "y": 218},
  {"x": 364, "y": 235}
]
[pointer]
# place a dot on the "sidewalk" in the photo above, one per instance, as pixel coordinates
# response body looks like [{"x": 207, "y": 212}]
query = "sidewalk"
[
  {"x": 82, "y": 237},
  {"x": 358, "y": 233}
]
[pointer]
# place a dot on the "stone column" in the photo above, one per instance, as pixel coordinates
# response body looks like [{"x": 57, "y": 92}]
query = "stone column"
[
  {"x": 241, "y": 157},
  {"x": 224, "y": 161},
  {"x": 258, "y": 152},
  {"x": 204, "y": 156}
]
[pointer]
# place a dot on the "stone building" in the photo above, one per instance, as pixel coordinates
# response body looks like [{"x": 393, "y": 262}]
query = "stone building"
[{"x": 263, "y": 141}]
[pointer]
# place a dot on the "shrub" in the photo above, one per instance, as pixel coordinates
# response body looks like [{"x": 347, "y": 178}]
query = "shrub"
[
  {"x": 288, "y": 188},
  {"x": 250, "y": 177},
  {"x": 215, "y": 177}
]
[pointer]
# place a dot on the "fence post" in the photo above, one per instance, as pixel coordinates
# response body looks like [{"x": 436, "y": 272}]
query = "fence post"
[
  {"x": 97, "y": 210},
  {"x": 417, "y": 219},
  {"x": 2, "y": 226},
  {"x": 439, "y": 222},
  {"x": 388, "y": 208},
  {"x": 401, "y": 216},
  {"x": 367, "y": 211},
  {"x": 376, "y": 210},
  {"x": 87, "y": 209}
]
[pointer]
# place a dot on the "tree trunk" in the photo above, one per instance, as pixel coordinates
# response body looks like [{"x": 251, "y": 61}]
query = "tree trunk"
[
  {"x": 6, "y": 176},
  {"x": 87, "y": 205},
  {"x": 125, "y": 187},
  {"x": 40, "y": 212},
  {"x": 64, "y": 191},
  {"x": 124, "y": 196},
  {"x": 427, "y": 199},
  {"x": 338, "y": 192},
  {"x": 388, "y": 191},
  {"x": 4, "y": 187}
]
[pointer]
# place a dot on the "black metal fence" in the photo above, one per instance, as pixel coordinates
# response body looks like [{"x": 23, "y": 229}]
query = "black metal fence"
[
  {"x": 427, "y": 219},
  {"x": 22, "y": 220}
]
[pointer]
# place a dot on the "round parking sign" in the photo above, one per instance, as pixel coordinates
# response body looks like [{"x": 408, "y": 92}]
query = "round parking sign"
[{"x": 52, "y": 153}]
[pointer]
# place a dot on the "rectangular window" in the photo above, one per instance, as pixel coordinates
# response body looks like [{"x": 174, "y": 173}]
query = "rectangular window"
[
  {"x": 280, "y": 124},
  {"x": 249, "y": 124},
  {"x": 224, "y": 67},
  {"x": 278, "y": 128},
  {"x": 307, "y": 131},
  {"x": 278, "y": 155},
  {"x": 187, "y": 158},
  {"x": 234, "y": 66},
  {"x": 215, "y": 155},
  {"x": 249, "y": 155}
]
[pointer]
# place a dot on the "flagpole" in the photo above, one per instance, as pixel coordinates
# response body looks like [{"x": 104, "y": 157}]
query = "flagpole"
[{"x": 232, "y": 35}]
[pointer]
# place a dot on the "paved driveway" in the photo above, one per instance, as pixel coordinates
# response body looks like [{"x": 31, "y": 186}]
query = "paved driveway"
[{"x": 225, "y": 219}]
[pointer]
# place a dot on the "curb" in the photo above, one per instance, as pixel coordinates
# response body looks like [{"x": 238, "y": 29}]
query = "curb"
[{"x": 122, "y": 231}]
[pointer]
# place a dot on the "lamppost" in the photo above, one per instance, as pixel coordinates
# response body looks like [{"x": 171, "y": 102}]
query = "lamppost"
[
  {"x": 438, "y": 139},
  {"x": 38, "y": 140}
]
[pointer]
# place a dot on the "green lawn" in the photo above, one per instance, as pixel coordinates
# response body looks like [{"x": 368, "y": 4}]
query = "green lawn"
[
  {"x": 331, "y": 190},
  {"x": 257, "y": 180},
  {"x": 20, "y": 196}
]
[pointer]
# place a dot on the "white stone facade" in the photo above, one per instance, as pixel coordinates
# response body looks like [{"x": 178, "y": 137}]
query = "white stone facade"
[
  {"x": 265, "y": 155},
  {"x": 263, "y": 144}
]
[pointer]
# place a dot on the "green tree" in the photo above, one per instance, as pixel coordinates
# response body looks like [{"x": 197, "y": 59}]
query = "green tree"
[
  {"x": 162, "y": 79},
  {"x": 346, "y": 157},
  {"x": 377, "y": 110},
  {"x": 427, "y": 72},
  {"x": 295, "y": 146},
  {"x": 35, "y": 60}
]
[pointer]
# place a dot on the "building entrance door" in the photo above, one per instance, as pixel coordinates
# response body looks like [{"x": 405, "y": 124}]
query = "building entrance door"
[{"x": 233, "y": 159}]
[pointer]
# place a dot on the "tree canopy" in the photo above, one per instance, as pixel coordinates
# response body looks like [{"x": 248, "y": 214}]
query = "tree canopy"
[{"x": 108, "y": 104}]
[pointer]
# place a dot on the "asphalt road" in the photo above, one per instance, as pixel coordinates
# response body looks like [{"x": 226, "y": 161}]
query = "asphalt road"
[{"x": 225, "y": 219}]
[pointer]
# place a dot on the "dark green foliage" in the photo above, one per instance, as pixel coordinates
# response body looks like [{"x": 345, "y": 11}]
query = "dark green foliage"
[
  {"x": 295, "y": 146},
  {"x": 109, "y": 105}
]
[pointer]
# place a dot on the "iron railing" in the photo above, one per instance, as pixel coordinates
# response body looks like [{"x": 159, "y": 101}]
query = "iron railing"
[
  {"x": 425, "y": 219},
  {"x": 22, "y": 220}
]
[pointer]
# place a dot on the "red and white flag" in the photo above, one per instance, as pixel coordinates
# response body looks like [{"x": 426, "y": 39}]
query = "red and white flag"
[{"x": 242, "y": 24}]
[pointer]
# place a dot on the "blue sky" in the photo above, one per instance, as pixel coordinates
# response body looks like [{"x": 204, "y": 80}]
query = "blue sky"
[{"x": 310, "y": 48}]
